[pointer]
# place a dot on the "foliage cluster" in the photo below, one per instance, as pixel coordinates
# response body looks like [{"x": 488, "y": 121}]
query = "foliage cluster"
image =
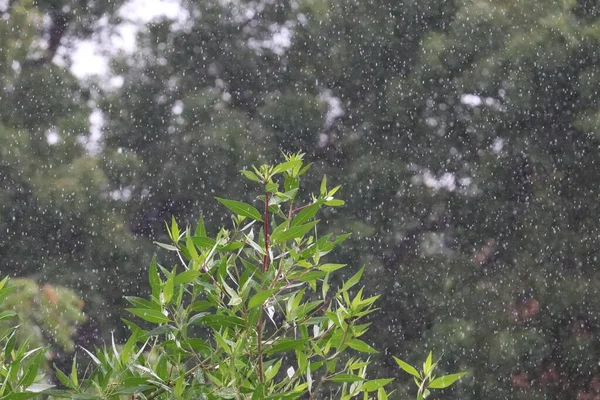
[{"x": 248, "y": 314}]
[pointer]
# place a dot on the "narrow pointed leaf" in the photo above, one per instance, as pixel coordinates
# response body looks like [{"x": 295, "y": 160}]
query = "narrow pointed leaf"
[
  {"x": 445, "y": 381},
  {"x": 293, "y": 233},
  {"x": 361, "y": 346},
  {"x": 154, "y": 278},
  {"x": 408, "y": 368},
  {"x": 286, "y": 166},
  {"x": 306, "y": 213},
  {"x": 168, "y": 290},
  {"x": 259, "y": 298},
  {"x": 203, "y": 242},
  {"x": 250, "y": 175},
  {"x": 376, "y": 384},
  {"x": 330, "y": 267},
  {"x": 342, "y": 378},
  {"x": 186, "y": 277},
  {"x": 352, "y": 281},
  {"x": 200, "y": 230},
  {"x": 149, "y": 315},
  {"x": 243, "y": 209}
]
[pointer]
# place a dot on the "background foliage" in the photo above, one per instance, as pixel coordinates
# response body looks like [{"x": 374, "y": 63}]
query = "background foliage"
[{"x": 465, "y": 133}]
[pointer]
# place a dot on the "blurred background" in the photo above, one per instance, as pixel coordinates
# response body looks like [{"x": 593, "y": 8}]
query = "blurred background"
[{"x": 465, "y": 133}]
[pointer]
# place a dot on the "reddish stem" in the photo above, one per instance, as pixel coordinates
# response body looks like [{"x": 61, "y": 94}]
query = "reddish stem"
[
  {"x": 261, "y": 374},
  {"x": 300, "y": 208},
  {"x": 266, "y": 230}
]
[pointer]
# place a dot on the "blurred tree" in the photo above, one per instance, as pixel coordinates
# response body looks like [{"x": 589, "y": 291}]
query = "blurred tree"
[
  {"x": 59, "y": 221},
  {"x": 48, "y": 315},
  {"x": 466, "y": 132},
  {"x": 504, "y": 101}
]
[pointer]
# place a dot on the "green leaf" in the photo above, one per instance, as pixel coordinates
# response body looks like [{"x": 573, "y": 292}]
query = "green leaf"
[
  {"x": 324, "y": 186},
  {"x": 200, "y": 230},
  {"x": 231, "y": 246},
  {"x": 201, "y": 305},
  {"x": 32, "y": 368},
  {"x": 168, "y": 290},
  {"x": 203, "y": 242},
  {"x": 305, "y": 168},
  {"x": 361, "y": 346},
  {"x": 63, "y": 378},
  {"x": 259, "y": 298},
  {"x": 309, "y": 276},
  {"x": 154, "y": 316},
  {"x": 220, "y": 321},
  {"x": 352, "y": 281},
  {"x": 167, "y": 246},
  {"x": 138, "y": 302},
  {"x": 225, "y": 393},
  {"x": 272, "y": 370},
  {"x": 243, "y": 209},
  {"x": 5, "y": 292},
  {"x": 376, "y": 384},
  {"x": 271, "y": 187},
  {"x": 445, "y": 381},
  {"x": 331, "y": 267},
  {"x": 250, "y": 175},
  {"x": 39, "y": 387},
  {"x": 381, "y": 394},
  {"x": 189, "y": 245},
  {"x": 427, "y": 364},
  {"x": 293, "y": 232},
  {"x": 73, "y": 376},
  {"x": 198, "y": 345},
  {"x": 135, "y": 330},
  {"x": 284, "y": 345},
  {"x": 408, "y": 368},
  {"x": 286, "y": 166},
  {"x": 174, "y": 230},
  {"x": 342, "y": 378},
  {"x": 335, "y": 203},
  {"x": 7, "y": 314},
  {"x": 186, "y": 277},
  {"x": 159, "y": 330},
  {"x": 154, "y": 278},
  {"x": 333, "y": 191},
  {"x": 325, "y": 286},
  {"x": 306, "y": 213}
]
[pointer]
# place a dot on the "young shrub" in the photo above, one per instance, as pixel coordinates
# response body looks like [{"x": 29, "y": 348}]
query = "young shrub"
[{"x": 249, "y": 313}]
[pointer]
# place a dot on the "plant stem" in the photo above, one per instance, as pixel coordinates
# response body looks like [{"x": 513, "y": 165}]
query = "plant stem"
[
  {"x": 266, "y": 230},
  {"x": 294, "y": 211},
  {"x": 261, "y": 375}
]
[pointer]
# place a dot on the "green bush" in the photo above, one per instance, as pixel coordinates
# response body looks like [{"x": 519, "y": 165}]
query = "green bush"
[{"x": 248, "y": 314}]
